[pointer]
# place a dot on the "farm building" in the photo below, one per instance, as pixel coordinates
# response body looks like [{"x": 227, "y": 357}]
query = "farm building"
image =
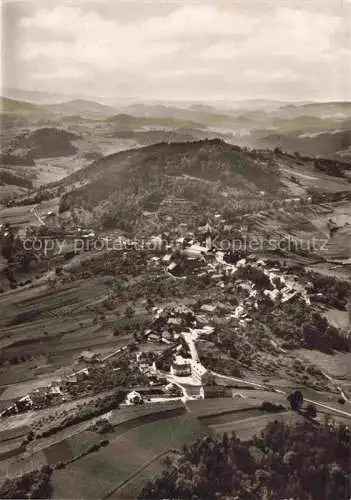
[
  {"x": 153, "y": 338},
  {"x": 213, "y": 391},
  {"x": 38, "y": 395},
  {"x": 201, "y": 374},
  {"x": 140, "y": 357},
  {"x": 51, "y": 220},
  {"x": 195, "y": 251},
  {"x": 89, "y": 356}
]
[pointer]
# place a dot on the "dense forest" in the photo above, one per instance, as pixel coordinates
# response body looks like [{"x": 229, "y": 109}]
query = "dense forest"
[{"x": 302, "y": 462}]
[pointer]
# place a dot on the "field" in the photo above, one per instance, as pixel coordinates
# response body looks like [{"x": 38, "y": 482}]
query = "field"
[
  {"x": 68, "y": 444},
  {"x": 68, "y": 449},
  {"x": 336, "y": 365},
  {"x": 339, "y": 319},
  {"x": 21, "y": 464},
  {"x": 240, "y": 415},
  {"x": 131, "y": 488},
  {"x": 14, "y": 433},
  {"x": 328, "y": 269},
  {"x": 137, "y": 454},
  {"x": 99, "y": 472},
  {"x": 215, "y": 421},
  {"x": 246, "y": 426},
  {"x": 242, "y": 400},
  {"x": 21, "y": 216},
  {"x": 127, "y": 413},
  {"x": 34, "y": 322}
]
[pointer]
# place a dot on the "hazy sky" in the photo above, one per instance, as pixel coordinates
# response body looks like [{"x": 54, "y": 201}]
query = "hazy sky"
[{"x": 197, "y": 50}]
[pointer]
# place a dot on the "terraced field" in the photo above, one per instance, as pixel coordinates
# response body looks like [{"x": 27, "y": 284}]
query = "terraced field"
[{"x": 36, "y": 320}]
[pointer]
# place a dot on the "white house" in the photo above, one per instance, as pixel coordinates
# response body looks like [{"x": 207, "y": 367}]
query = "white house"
[
  {"x": 134, "y": 398},
  {"x": 195, "y": 251},
  {"x": 181, "y": 367}
]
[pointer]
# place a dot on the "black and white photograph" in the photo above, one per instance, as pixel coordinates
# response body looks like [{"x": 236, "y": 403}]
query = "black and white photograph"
[{"x": 175, "y": 249}]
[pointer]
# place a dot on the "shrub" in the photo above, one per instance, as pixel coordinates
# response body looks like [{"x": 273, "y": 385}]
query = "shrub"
[
  {"x": 64, "y": 206},
  {"x": 311, "y": 411},
  {"x": 60, "y": 465},
  {"x": 94, "y": 447},
  {"x": 271, "y": 407}
]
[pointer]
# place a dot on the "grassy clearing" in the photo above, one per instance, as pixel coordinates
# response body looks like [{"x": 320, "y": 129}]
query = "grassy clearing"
[
  {"x": 339, "y": 319},
  {"x": 336, "y": 365},
  {"x": 170, "y": 433},
  {"x": 127, "y": 413},
  {"x": 216, "y": 406},
  {"x": 246, "y": 428},
  {"x": 227, "y": 418}
]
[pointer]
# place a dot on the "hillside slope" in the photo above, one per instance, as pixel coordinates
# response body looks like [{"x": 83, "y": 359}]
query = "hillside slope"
[
  {"x": 318, "y": 109},
  {"x": 208, "y": 172},
  {"x": 208, "y": 175}
]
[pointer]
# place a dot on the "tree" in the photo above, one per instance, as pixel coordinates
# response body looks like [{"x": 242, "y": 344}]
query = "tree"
[
  {"x": 295, "y": 399},
  {"x": 150, "y": 304},
  {"x": 64, "y": 206},
  {"x": 30, "y": 436},
  {"x": 129, "y": 313},
  {"x": 311, "y": 411}
]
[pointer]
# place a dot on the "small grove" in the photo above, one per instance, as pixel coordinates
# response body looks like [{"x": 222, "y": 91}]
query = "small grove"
[
  {"x": 299, "y": 325},
  {"x": 306, "y": 462}
]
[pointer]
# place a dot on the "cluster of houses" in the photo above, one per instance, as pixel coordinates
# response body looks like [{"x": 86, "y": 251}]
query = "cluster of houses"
[
  {"x": 207, "y": 262},
  {"x": 197, "y": 254},
  {"x": 178, "y": 326},
  {"x": 37, "y": 399},
  {"x": 189, "y": 367}
]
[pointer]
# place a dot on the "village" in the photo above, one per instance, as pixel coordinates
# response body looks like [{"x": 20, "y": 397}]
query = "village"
[{"x": 162, "y": 362}]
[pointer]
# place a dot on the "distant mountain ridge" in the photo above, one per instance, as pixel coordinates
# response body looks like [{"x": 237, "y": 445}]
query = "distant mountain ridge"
[
  {"x": 331, "y": 144},
  {"x": 319, "y": 109},
  {"x": 35, "y": 96},
  {"x": 81, "y": 107},
  {"x": 13, "y": 106}
]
